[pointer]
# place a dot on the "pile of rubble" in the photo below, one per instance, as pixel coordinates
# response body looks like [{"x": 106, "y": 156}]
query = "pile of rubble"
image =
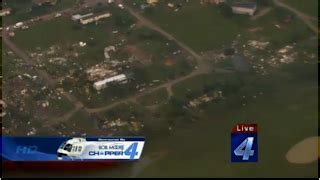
[
  {"x": 100, "y": 71},
  {"x": 258, "y": 44},
  {"x": 206, "y": 98},
  {"x": 284, "y": 55},
  {"x": 107, "y": 50},
  {"x": 131, "y": 126}
]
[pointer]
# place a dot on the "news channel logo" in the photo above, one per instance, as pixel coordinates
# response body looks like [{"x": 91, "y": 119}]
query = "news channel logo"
[
  {"x": 100, "y": 149},
  {"x": 244, "y": 143}
]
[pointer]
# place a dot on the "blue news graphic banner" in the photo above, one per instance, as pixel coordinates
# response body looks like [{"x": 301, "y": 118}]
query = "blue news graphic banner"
[
  {"x": 70, "y": 149},
  {"x": 244, "y": 143}
]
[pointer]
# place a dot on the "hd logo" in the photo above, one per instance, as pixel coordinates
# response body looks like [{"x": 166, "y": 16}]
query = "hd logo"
[{"x": 244, "y": 143}]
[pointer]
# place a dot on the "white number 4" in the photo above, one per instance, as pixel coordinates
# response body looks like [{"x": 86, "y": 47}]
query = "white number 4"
[{"x": 244, "y": 149}]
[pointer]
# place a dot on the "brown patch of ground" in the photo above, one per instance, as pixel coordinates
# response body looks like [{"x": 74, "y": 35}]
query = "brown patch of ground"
[
  {"x": 304, "y": 152},
  {"x": 139, "y": 54},
  {"x": 169, "y": 62},
  {"x": 255, "y": 29}
]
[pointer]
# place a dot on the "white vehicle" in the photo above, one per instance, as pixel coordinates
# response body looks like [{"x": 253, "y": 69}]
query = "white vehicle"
[
  {"x": 72, "y": 148},
  {"x": 121, "y": 6},
  {"x": 18, "y": 25}
]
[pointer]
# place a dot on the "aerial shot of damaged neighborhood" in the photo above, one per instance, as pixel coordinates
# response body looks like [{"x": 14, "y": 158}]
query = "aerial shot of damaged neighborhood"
[{"x": 180, "y": 73}]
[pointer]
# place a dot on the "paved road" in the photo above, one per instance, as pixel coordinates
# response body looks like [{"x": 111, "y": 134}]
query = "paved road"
[{"x": 305, "y": 18}]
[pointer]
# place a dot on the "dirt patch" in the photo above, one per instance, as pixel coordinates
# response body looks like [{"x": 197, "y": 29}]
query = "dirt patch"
[
  {"x": 169, "y": 62},
  {"x": 304, "y": 152},
  {"x": 139, "y": 54},
  {"x": 256, "y": 29}
]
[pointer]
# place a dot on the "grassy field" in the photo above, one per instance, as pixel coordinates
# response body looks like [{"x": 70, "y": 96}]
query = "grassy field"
[
  {"x": 286, "y": 113},
  {"x": 295, "y": 31},
  {"x": 205, "y": 29},
  {"x": 83, "y": 122},
  {"x": 59, "y": 31},
  {"x": 63, "y": 32},
  {"x": 310, "y": 7},
  {"x": 158, "y": 97},
  {"x": 10, "y": 63},
  {"x": 209, "y": 28}
]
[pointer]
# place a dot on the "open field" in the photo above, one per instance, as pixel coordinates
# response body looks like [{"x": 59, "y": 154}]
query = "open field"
[
  {"x": 208, "y": 28},
  {"x": 284, "y": 117},
  {"x": 294, "y": 31},
  {"x": 158, "y": 97}
]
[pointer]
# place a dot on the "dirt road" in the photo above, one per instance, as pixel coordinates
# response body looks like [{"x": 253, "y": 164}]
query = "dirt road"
[
  {"x": 305, "y": 18},
  {"x": 50, "y": 82},
  {"x": 155, "y": 27}
]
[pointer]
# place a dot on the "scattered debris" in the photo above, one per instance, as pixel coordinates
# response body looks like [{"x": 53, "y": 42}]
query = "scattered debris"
[
  {"x": 82, "y": 44},
  {"x": 258, "y": 44},
  {"x": 45, "y": 104},
  {"x": 100, "y": 71},
  {"x": 206, "y": 98},
  {"x": 106, "y": 51},
  {"x": 3, "y": 106}
]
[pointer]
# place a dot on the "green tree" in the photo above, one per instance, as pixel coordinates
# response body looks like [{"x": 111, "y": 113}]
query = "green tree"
[{"x": 225, "y": 9}]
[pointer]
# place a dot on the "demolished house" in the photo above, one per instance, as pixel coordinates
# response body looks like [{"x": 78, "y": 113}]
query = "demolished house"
[
  {"x": 100, "y": 71},
  {"x": 93, "y": 18},
  {"x": 205, "y": 98},
  {"x": 248, "y": 8}
]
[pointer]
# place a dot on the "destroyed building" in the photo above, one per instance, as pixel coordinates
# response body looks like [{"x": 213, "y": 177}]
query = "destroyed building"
[
  {"x": 103, "y": 83},
  {"x": 248, "y": 8},
  {"x": 96, "y": 17}
]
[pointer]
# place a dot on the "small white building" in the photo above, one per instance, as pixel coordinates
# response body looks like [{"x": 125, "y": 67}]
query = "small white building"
[
  {"x": 93, "y": 18},
  {"x": 103, "y": 83},
  {"x": 77, "y": 17},
  {"x": 244, "y": 8}
]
